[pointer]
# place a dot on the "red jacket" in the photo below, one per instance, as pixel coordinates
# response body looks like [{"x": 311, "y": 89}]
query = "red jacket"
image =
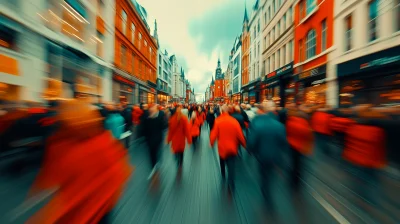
[
  {"x": 299, "y": 134},
  {"x": 195, "y": 127},
  {"x": 178, "y": 132},
  {"x": 229, "y": 134},
  {"x": 365, "y": 146},
  {"x": 136, "y": 114},
  {"x": 320, "y": 122},
  {"x": 340, "y": 124}
]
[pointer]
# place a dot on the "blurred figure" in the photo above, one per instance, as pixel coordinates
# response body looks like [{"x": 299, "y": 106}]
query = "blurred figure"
[
  {"x": 86, "y": 184},
  {"x": 237, "y": 114},
  {"x": 229, "y": 135},
  {"x": 194, "y": 129},
  {"x": 178, "y": 133},
  {"x": 211, "y": 118},
  {"x": 114, "y": 121},
  {"x": 126, "y": 113},
  {"x": 185, "y": 111},
  {"x": 267, "y": 139},
  {"x": 153, "y": 128},
  {"x": 250, "y": 113}
]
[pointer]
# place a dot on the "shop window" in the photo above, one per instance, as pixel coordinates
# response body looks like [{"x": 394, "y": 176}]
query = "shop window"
[
  {"x": 372, "y": 19},
  {"x": 397, "y": 14},
  {"x": 323, "y": 35},
  {"x": 311, "y": 44},
  {"x": 349, "y": 28},
  {"x": 124, "y": 18}
]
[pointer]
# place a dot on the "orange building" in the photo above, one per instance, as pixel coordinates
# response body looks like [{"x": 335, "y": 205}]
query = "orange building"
[
  {"x": 219, "y": 87},
  {"x": 313, "y": 38},
  {"x": 135, "y": 54},
  {"x": 245, "y": 53}
]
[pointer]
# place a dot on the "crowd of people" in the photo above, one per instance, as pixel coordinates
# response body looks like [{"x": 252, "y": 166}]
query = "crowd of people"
[{"x": 80, "y": 129}]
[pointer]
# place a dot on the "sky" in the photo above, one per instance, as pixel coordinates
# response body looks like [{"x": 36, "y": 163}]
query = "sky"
[{"x": 198, "y": 32}]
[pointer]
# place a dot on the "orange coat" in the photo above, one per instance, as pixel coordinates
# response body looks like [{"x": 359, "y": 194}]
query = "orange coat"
[
  {"x": 195, "y": 127},
  {"x": 136, "y": 114},
  {"x": 365, "y": 146},
  {"x": 178, "y": 132},
  {"x": 89, "y": 174},
  {"x": 299, "y": 134},
  {"x": 229, "y": 134},
  {"x": 320, "y": 122}
]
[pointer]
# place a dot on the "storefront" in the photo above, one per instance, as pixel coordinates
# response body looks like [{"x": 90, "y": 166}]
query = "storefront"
[
  {"x": 147, "y": 95},
  {"x": 162, "y": 97},
  {"x": 276, "y": 83},
  {"x": 251, "y": 92},
  {"x": 311, "y": 86},
  {"x": 372, "y": 79},
  {"x": 236, "y": 98},
  {"x": 123, "y": 89}
]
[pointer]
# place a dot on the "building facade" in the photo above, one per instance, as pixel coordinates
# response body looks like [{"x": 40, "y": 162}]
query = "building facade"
[
  {"x": 236, "y": 70},
  {"x": 313, "y": 41},
  {"x": 55, "y": 50},
  {"x": 366, "y": 58},
  {"x": 135, "y": 55},
  {"x": 163, "y": 77},
  {"x": 219, "y": 87},
  {"x": 277, "y": 51},
  {"x": 245, "y": 57}
]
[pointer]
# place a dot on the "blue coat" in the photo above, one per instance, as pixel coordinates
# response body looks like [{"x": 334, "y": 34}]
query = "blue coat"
[
  {"x": 115, "y": 123},
  {"x": 267, "y": 138}
]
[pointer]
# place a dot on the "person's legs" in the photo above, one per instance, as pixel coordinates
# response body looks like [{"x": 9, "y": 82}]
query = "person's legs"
[
  {"x": 222, "y": 166},
  {"x": 179, "y": 158},
  {"x": 230, "y": 163},
  {"x": 194, "y": 142},
  {"x": 265, "y": 170}
]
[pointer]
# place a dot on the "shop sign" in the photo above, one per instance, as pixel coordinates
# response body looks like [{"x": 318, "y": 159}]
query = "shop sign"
[
  {"x": 285, "y": 69},
  {"x": 318, "y": 82},
  {"x": 313, "y": 72},
  {"x": 381, "y": 61},
  {"x": 272, "y": 74},
  {"x": 123, "y": 80}
]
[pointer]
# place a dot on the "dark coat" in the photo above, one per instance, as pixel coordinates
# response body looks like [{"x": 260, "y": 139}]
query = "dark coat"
[
  {"x": 239, "y": 117},
  {"x": 210, "y": 119},
  {"x": 267, "y": 138},
  {"x": 126, "y": 113},
  {"x": 153, "y": 129},
  {"x": 245, "y": 117}
]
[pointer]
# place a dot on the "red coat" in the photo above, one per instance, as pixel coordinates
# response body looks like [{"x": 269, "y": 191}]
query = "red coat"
[
  {"x": 340, "y": 124},
  {"x": 136, "y": 114},
  {"x": 178, "y": 132},
  {"x": 195, "y": 127},
  {"x": 365, "y": 146},
  {"x": 299, "y": 134},
  {"x": 320, "y": 122},
  {"x": 229, "y": 134}
]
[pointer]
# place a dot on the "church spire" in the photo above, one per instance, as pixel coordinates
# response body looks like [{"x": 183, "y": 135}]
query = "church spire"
[
  {"x": 246, "y": 18},
  {"x": 155, "y": 35}
]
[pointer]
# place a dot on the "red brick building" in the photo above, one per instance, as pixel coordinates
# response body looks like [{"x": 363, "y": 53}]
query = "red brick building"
[
  {"x": 135, "y": 54},
  {"x": 219, "y": 87},
  {"x": 313, "y": 40}
]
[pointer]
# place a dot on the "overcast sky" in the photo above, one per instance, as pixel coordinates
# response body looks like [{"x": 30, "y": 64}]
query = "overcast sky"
[{"x": 197, "y": 32}]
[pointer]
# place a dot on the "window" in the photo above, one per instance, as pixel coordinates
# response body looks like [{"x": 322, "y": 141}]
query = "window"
[
  {"x": 311, "y": 4},
  {"x": 290, "y": 51},
  {"x": 258, "y": 46},
  {"x": 323, "y": 35},
  {"x": 133, "y": 30},
  {"x": 278, "y": 31},
  {"x": 151, "y": 53},
  {"x": 269, "y": 14},
  {"x": 123, "y": 56},
  {"x": 373, "y": 14},
  {"x": 258, "y": 26},
  {"x": 254, "y": 33},
  {"x": 124, "y": 21},
  {"x": 349, "y": 27},
  {"x": 265, "y": 18},
  {"x": 273, "y": 35},
  {"x": 273, "y": 62},
  {"x": 290, "y": 15},
  {"x": 278, "y": 58},
  {"x": 302, "y": 10},
  {"x": 311, "y": 44},
  {"x": 140, "y": 40},
  {"x": 267, "y": 40},
  {"x": 267, "y": 67},
  {"x": 397, "y": 14},
  {"x": 274, "y": 7},
  {"x": 284, "y": 22}
]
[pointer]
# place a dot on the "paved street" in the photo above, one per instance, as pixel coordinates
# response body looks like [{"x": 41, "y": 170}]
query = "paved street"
[{"x": 330, "y": 193}]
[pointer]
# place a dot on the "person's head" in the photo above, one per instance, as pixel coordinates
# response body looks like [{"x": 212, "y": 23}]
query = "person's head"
[
  {"x": 225, "y": 108},
  {"x": 268, "y": 106},
  {"x": 153, "y": 108},
  {"x": 248, "y": 107}
]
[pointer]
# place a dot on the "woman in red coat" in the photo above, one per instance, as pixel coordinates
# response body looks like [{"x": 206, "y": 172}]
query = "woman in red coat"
[
  {"x": 178, "y": 133},
  {"x": 194, "y": 129}
]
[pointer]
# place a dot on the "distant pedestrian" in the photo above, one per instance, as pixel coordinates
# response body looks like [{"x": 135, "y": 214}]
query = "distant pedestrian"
[
  {"x": 211, "y": 118},
  {"x": 229, "y": 135}
]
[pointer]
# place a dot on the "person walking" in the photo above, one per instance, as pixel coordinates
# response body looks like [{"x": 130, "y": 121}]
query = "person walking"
[
  {"x": 178, "y": 133},
  {"x": 229, "y": 135},
  {"x": 185, "y": 111},
  {"x": 194, "y": 129},
  {"x": 211, "y": 118},
  {"x": 153, "y": 128},
  {"x": 266, "y": 141}
]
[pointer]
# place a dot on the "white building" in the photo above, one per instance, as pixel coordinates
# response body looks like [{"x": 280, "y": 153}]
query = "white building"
[
  {"x": 50, "y": 46},
  {"x": 365, "y": 64},
  {"x": 175, "y": 72},
  {"x": 277, "y": 46},
  {"x": 236, "y": 68},
  {"x": 164, "y": 77},
  {"x": 255, "y": 42}
]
